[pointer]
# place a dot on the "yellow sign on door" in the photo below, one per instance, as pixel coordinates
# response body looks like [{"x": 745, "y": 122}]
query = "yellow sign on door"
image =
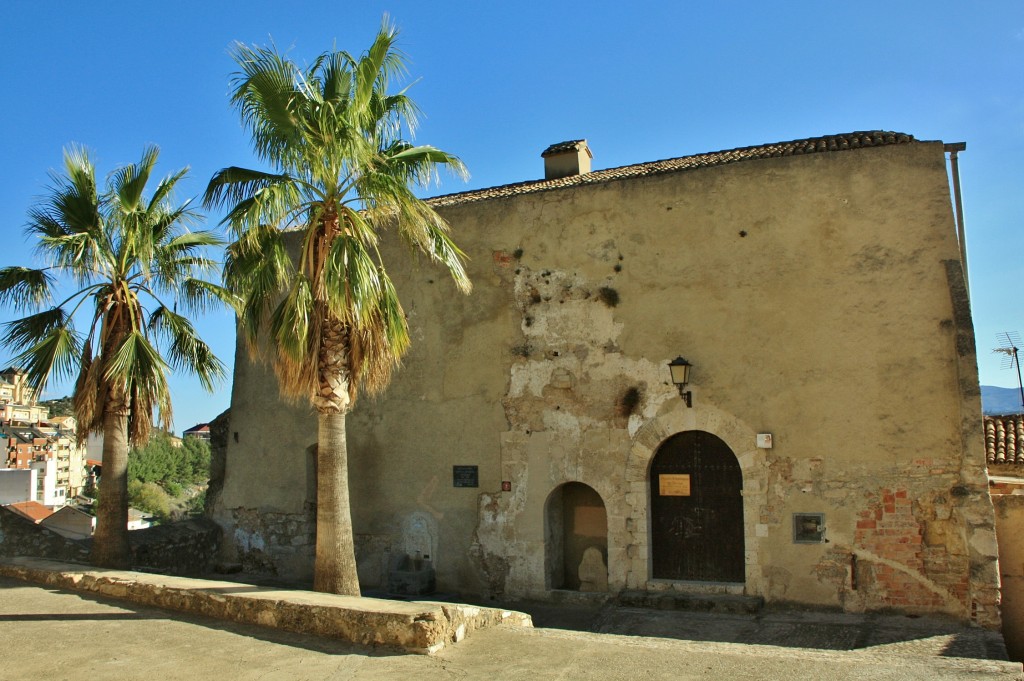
[{"x": 674, "y": 485}]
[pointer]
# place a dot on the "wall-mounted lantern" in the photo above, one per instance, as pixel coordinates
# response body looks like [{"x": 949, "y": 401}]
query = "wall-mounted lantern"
[{"x": 680, "y": 370}]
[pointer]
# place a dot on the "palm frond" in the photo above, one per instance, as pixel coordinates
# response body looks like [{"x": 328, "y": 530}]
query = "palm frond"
[
  {"x": 185, "y": 350},
  {"x": 68, "y": 223},
  {"x": 164, "y": 190},
  {"x": 200, "y": 296},
  {"x": 55, "y": 353},
  {"x": 128, "y": 182},
  {"x": 291, "y": 320},
  {"x": 136, "y": 364},
  {"x": 33, "y": 329},
  {"x": 190, "y": 242},
  {"x": 351, "y": 281},
  {"x": 233, "y": 184},
  {"x": 265, "y": 92},
  {"x": 23, "y": 288},
  {"x": 256, "y": 270},
  {"x": 89, "y": 397}
]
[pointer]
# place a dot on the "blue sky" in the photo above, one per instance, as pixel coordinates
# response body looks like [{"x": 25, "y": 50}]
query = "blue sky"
[{"x": 498, "y": 82}]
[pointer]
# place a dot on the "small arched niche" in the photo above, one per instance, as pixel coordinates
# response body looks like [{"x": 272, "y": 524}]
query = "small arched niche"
[{"x": 576, "y": 539}]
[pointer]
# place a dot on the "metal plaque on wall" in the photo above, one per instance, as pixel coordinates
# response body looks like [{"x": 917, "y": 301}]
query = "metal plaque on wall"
[
  {"x": 674, "y": 485},
  {"x": 465, "y": 476}
]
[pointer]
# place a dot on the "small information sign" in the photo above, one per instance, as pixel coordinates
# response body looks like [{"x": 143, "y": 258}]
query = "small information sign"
[
  {"x": 465, "y": 476},
  {"x": 674, "y": 485}
]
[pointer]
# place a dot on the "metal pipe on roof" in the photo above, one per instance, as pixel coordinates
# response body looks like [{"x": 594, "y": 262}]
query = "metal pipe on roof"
[{"x": 953, "y": 148}]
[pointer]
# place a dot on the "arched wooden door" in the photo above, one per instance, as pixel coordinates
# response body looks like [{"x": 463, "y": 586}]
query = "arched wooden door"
[{"x": 696, "y": 510}]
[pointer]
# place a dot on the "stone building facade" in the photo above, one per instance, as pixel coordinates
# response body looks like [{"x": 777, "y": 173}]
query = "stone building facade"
[{"x": 533, "y": 442}]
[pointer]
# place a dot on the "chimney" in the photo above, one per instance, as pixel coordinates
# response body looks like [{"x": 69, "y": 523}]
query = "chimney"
[{"x": 566, "y": 159}]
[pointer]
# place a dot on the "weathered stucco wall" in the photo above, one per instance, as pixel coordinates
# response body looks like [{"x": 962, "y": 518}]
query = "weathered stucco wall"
[
  {"x": 1009, "y": 526},
  {"x": 819, "y": 300}
]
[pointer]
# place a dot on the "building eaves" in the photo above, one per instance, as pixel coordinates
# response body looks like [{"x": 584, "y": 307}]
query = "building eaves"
[{"x": 813, "y": 145}]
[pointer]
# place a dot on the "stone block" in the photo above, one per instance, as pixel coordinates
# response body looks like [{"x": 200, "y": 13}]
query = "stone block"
[
  {"x": 651, "y": 435},
  {"x": 983, "y": 543}
]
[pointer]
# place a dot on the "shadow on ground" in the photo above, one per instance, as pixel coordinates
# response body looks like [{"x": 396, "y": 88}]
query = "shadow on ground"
[
  {"x": 786, "y": 628},
  {"x": 790, "y": 628},
  {"x": 131, "y": 611}
]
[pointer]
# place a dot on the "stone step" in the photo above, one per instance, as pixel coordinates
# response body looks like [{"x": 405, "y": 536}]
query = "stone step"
[{"x": 674, "y": 600}]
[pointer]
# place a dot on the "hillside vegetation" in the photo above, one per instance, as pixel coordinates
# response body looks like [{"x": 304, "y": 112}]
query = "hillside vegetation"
[{"x": 168, "y": 481}]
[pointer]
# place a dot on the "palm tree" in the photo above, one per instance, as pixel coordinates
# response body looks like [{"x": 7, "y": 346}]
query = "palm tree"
[
  {"x": 132, "y": 263},
  {"x": 343, "y": 173}
]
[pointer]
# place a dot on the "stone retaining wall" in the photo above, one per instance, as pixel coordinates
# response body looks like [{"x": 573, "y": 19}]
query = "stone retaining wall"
[
  {"x": 187, "y": 547},
  {"x": 423, "y": 628}
]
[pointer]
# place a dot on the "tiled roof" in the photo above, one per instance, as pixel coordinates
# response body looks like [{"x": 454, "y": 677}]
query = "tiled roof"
[
  {"x": 32, "y": 510},
  {"x": 1004, "y": 439},
  {"x": 853, "y": 140}
]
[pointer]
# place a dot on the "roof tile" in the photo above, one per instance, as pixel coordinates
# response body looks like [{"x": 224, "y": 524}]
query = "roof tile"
[
  {"x": 842, "y": 142},
  {"x": 1004, "y": 439}
]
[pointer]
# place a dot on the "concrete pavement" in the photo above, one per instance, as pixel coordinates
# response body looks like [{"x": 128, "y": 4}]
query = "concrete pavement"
[{"x": 54, "y": 634}]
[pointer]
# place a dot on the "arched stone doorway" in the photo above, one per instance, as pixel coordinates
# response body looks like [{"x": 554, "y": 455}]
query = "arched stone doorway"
[
  {"x": 696, "y": 510},
  {"x": 576, "y": 539}
]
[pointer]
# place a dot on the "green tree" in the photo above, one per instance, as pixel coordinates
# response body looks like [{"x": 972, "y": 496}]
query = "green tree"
[
  {"x": 150, "y": 497},
  {"x": 195, "y": 460},
  {"x": 155, "y": 461},
  {"x": 343, "y": 171},
  {"x": 132, "y": 262},
  {"x": 159, "y": 460}
]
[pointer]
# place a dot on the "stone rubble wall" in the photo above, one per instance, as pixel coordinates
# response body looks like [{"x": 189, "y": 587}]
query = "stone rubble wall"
[
  {"x": 21, "y": 537},
  {"x": 268, "y": 542},
  {"x": 188, "y": 547}
]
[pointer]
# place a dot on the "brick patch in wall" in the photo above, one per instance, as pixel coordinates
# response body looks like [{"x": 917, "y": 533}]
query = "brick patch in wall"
[{"x": 892, "y": 531}]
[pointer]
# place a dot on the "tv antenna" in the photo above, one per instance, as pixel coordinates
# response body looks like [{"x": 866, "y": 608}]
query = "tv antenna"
[{"x": 1011, "y": 360}]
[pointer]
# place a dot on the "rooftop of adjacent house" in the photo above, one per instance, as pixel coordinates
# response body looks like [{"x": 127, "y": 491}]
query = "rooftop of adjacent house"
[
  {"x": 1004, "y": 439},
  {"x": 198, "y": 428},
  {"x": 32, "y": 510},
  {"x": 812, "y": 145},
  {"x": 26, "y": 433},
  {"x": 74, "y": 511}
]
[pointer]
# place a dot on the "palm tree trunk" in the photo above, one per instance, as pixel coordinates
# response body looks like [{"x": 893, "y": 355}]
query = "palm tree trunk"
[
  {"x": 110, "y": 542},
  {"x": 335, "y": 568}
]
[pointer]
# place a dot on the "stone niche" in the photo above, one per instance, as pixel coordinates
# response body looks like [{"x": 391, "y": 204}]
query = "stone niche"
[{"x": 412, "y": 568}]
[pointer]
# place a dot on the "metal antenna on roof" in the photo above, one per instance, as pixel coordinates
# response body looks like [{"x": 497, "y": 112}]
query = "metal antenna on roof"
[{"x": 1011, "y": 359}]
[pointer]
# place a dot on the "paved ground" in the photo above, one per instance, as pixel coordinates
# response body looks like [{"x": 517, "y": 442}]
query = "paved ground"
[
  {"x": 779, "y": 627},
  {"x": 51, "y": 634}
]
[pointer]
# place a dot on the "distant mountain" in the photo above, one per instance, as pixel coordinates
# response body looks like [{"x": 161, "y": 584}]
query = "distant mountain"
[
  {"x": 996, "y": 400},
  {"x": 59, "y": 407}
]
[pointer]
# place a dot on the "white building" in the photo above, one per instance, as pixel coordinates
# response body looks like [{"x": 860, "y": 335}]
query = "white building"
[
  {"x": 18, "y": 484},
  {"x": 48, "y": 492}
]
